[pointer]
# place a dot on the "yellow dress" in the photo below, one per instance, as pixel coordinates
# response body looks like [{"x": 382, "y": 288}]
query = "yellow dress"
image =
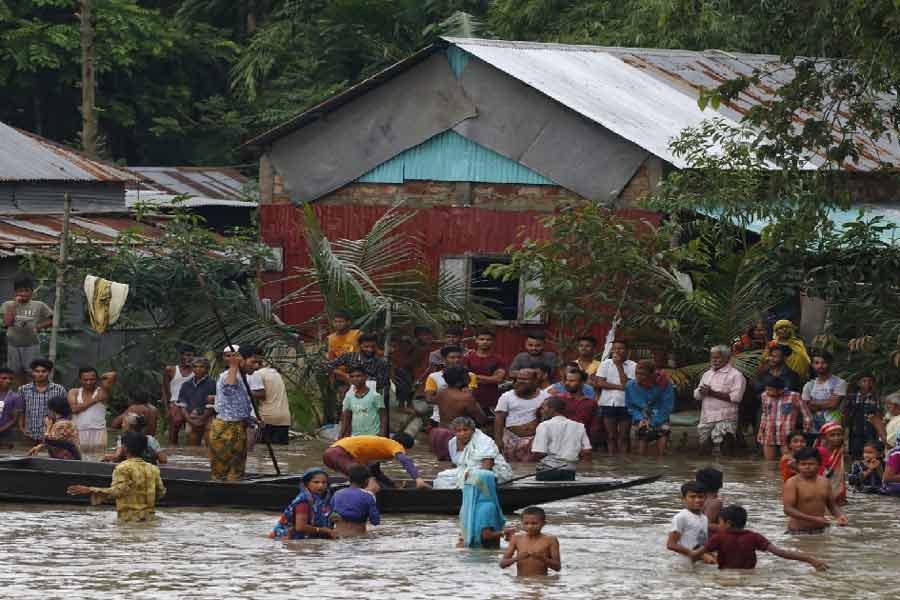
[{"x": 799, "y": 360}]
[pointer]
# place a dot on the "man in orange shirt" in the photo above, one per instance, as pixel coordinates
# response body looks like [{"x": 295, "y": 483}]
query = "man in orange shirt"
[
  {"x": 344, "y": 339},
  {"x": 369, "y": 451}
]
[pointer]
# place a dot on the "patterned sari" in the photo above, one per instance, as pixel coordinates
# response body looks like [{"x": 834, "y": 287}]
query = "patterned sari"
[
  {"x": 833, "y": 464},
  {"x": 61, "y": 440},
  {"x": 227, "y": 449},
  {"x": 480, "y": 508},
  {"x": 319, "y": 508}
]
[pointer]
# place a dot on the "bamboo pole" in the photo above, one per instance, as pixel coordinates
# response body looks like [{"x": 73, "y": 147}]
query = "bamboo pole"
[
  {"x": 387, "y": 359},
  {"x": 60, "y": 276}
]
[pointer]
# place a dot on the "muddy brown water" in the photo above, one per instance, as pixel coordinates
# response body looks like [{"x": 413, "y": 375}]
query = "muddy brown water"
[{"x": 613, "y": 545}]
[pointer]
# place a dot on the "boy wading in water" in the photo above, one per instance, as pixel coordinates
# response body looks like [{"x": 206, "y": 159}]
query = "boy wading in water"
[
  {"x": 808, "y": 496},
  {"x": 736, "y": 547},
  {"x": 690, "y": 527},
  {"x": 352, "y": 507},
  {"x": 532, "y": 552}
]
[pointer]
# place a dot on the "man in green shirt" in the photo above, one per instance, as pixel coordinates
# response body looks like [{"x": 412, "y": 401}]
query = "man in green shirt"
[
  {"x": 363, "y": 412},
  {"x": 23, "y": 318}
]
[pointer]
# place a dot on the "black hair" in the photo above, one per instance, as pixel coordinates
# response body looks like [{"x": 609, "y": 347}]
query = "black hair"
[
  {"x": 865, "y": 374},
  {"x": 450, "y": 349},
  {"x": 785, "y": 349},
  {"x": 823, "y": 354},
  {"x": 537, "y": 511},
  {"x": 359, "y": 475},
  {"x": 182, "y": 348},
  {"x": 247, "y": 350},
  {"x": 368, "y": 337},
  {"x": 578, "y": 372},
  {"x": 710, "y": 478},
  {"x": 140, "y": 422},
  {"x": 422, "y": 329},
  {"x": 774, "y": 382},
  {"x": 60, "y": 405},
  {"x": 556, "y": 403},
  {"x": 355, "y": 368},
  {"x": 6, "y": 371},
  {"x": 41, "y": 362},
  {"x": 588, "y": 338},
  {"x": 135, "y": 443},
  {"x": 83, "y": 370},
  {"x": 536, "y": 335},
  {"x": 544, "y": 368},
  {"x": 23, "y": 281},
  {"x": 735, "y": 515},
  {"x": 876, "y": 445},
  {"x": 485, "y": 331},
  {"x": 796, "y": 433},
  {"x": 404, "y": 439},
  {"x": 456, "y": 377},
  {"x": 620, "y": 341},
  {"x": 808, "y": 453},
  {"x": 342, "y": 314},
  {"x": 456, "y": 330},
  {"x": 692, "y": 486},
  {"x": 140, "y": 396}
]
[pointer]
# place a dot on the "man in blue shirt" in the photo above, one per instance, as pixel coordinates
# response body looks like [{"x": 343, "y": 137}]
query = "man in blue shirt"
[
  {"x": 650, "y": 402},
  {"x": 228, "y": 441}
]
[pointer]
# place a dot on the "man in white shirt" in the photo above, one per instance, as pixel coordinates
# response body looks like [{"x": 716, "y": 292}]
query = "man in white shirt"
[
  {"x": 613, "y": 374},
  {"x": 559, "y": 443},
  {"x": 720, "y": 393},
  {"x": 516, "y": 416},
  {"x": 274, "y": 409}
]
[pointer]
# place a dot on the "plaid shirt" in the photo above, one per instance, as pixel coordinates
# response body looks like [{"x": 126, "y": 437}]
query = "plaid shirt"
[
  {"x": 376, "y": 368},
  {"x": 36, "y": 406},
  {"x": 779, "y": 417}
]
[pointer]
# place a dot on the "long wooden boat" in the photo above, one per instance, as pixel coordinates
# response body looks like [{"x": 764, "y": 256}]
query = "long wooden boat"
[{"x": 45, "y": 480}]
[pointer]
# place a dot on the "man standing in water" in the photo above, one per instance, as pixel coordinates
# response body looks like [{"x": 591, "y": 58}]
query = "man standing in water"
[
  {"x": 228, "y": 442},
  {"x": 89, "y": 410},
  {"x": 35, "y": 396},
  {"x": 720, "y": 393},
  {"x": 808, "y": 496},
  {"x": 516, "y": 416},
  {"x": 11, "y": 408},
  {"x": 559, "y": 443},
  {"x": 136, "y": 485},
  {"x": 613, "y": 375},
  {"x": 534, "y": 356},
  {"x": 173, "y": 379}
]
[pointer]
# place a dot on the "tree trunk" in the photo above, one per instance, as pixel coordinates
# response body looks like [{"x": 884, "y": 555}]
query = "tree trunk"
[
  {"x": 88, "y": 81},
  {"x": 251, "y": 24}
]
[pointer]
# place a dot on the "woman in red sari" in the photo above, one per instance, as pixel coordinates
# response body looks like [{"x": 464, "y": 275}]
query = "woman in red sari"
[
  {"x": 60, "y": 434},
  {"x": 831, "y": 448}
]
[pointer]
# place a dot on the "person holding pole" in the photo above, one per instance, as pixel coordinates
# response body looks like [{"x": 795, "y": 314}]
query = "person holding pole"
[{"x": 228, "y": 442}]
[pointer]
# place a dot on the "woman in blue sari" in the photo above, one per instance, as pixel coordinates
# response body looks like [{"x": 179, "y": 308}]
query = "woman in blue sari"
[
  {"x": 481, "y": 517},
  {"x": 309, "y": 513}
]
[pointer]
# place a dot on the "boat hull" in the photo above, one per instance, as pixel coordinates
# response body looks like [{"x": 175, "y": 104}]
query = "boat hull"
[{"x": 45, "y": 480}]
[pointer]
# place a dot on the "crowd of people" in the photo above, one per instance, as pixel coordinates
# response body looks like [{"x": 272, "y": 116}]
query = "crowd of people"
[{"x": 482, "y": 413}]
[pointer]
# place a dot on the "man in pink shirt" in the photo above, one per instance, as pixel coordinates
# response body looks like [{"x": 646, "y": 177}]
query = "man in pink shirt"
[{"x": 720, "y": 393}]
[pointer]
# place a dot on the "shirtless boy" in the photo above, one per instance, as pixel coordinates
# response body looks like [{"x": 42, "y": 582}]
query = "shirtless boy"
[
  {"x": 808, "y": 496},
  {"x": 532, "y": 552}
]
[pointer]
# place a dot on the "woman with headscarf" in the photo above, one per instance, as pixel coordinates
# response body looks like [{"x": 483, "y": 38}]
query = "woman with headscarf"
[
  {"x": 831, "y": 448},
  {"x": 309, "y": 513},
  {"x": 466, "y": 448},
  {"x": 798, "y": 360},
  {"x": 481, "y": 517},
  {"x": 60, "y": 433}
]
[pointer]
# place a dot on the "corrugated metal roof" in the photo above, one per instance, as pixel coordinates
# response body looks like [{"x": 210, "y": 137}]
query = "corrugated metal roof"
[
  {"x": 449, "y": 156},
  {"x": 647, "y": 96},
  {"x": 27, "y": 234},
  {"x": 27, "y": 157},
  {"x": 206, "y": 186}
]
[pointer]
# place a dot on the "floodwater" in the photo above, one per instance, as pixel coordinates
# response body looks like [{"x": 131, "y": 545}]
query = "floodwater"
[{"x": 613, "y": 545}]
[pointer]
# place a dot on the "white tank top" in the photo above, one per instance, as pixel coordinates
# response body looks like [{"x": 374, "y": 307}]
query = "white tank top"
[
  {"x": 177, "y": 381},
  {"x": 92, "y": 418}
]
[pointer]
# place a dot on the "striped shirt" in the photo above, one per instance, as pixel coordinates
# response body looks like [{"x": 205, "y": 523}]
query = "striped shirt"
[{"x": 36, "y": 406}]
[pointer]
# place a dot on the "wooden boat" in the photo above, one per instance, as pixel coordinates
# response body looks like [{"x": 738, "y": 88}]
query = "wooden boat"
[{"x": 46, "y": 480}]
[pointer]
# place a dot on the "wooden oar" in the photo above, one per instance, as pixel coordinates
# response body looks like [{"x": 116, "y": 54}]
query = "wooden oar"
[{"x": 521, "y": 477}]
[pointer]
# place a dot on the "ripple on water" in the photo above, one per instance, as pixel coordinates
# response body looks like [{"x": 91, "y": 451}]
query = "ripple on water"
[{"x": 613, "y": 545}]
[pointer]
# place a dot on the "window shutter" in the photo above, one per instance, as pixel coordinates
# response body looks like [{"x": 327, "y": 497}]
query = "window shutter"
[{"x": 454, "y": 277}]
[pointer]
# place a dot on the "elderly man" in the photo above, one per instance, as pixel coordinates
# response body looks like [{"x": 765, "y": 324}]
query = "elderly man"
[
  {"x": 559, "y": 443},
  {"x": 719, "y": 393}
]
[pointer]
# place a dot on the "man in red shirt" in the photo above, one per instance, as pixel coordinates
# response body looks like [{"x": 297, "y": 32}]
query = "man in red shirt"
[
  {"x": 736, "y": 547},
  {"x": 579, "y": 407},
  {"x": 488, "y": 367}
]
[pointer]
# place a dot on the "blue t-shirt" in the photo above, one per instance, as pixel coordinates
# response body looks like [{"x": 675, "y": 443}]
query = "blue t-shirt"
[
  {"x": 356, "y": 505},
  {"x": 587, "y": 391}
]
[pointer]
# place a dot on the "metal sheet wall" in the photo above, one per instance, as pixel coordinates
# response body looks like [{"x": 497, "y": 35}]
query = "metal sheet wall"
[
  {"x": 48, "y": 197},
  {"x": 448, "y": 231}
]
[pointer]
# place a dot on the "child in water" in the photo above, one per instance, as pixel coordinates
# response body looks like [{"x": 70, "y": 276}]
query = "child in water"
[
  {"x": 711, "y": 479},
  {"x": 690, "y": 527},
  {"x": 736, "y": 547},
  {"x": 795, "y": 441},
  {"x": 808, "y": 496},
  {"x": 865, "y": 475},
  {"x": 353, "y": 506},
  {"x": 531, "y": 551}
]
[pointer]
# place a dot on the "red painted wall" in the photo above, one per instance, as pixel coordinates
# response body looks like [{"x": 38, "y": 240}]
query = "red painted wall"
[{"x": 447, "y": 231}]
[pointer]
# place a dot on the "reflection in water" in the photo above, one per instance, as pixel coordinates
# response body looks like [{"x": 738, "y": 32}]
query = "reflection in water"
[{"x": 612, "y": 545}]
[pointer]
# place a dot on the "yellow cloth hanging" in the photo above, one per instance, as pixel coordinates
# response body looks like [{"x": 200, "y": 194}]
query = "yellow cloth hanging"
[{"x": 105, "y": 301}]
